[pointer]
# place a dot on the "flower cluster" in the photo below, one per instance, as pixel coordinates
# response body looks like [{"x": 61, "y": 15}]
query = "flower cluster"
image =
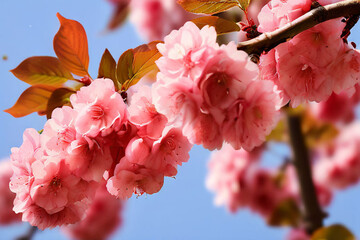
[
  {"x": 213, "y": 92},
  {"x": 102, "y": 218},
  {"x": 314, "y": 64},
  {"x": 338, "y": 165},
  {"x": 99, "y": 138},
  {"x": 238, "y": 181}
]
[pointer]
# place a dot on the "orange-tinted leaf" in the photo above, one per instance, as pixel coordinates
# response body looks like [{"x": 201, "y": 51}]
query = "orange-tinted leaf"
[
  {"x": 71, "y": 46},
  {"x": 119, "y": 15},
  {"x": 33, "y": 99},
  {"x": 42, "y": 70},
  {"x": 244, "y": 4},
  {"x": 107, "y": 68},
  {"x": 136, "y": 63},
  {"x": 221, "y": 25},
  {"x": 60, "y": 97},
  {"x": 208, "y": 6},
  {"x": 334, "y": 232},
  {"x": 287, "y": 213},
  {"x": 124, "y": 66}
]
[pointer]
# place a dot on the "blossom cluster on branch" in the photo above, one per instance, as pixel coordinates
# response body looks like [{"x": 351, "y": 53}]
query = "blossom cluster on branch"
[{"x": 111, "y": 137}]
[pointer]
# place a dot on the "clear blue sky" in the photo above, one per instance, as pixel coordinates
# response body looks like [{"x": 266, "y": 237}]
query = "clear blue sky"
[{"x": 184, "y": 208}]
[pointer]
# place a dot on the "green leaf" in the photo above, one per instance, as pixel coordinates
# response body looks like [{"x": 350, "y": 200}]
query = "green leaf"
[
  {"x": 334, "y": 232},
  {"x": 208, "y": 6},
  {"x": 221, "y": 25},
  {"x": 42, "y": 70},
  {"x": 136, "y": 63},
  {"x": 287, "y": 213},
  {"x": 60, "y": 97},
  {"x": 107, "y": 68},
  {"x": 33, "y": 99}
]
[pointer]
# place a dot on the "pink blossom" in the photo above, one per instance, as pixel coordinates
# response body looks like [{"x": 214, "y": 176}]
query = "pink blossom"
[
  {"x": 176, "y": 99},
  {"x": 340, "y": 167},
  {"x": 277, "y": 13},
  {"x": 337, "y": 108},
  {"x": 252, "y": 116},
  {"x": 154, "y": 19},
  {"x": 7, "y": 215},
  {"x": 102, "y": 218},
  {"x": 314, "y": 64},
  {"x": 170, "y": 150},
  {"x": 21, "y": 160},
  {"x": 297, "y": 234},
  {"x": 87, "y": 157},
  {"x": 187, "y": 50},
  {"x": 131, "y": 178},
  {"x": 143, "y": 114},
  {"x": 99, "y": 107},
  {"x": 228, "y": 170},
  {"x": 48, "y": 194}
]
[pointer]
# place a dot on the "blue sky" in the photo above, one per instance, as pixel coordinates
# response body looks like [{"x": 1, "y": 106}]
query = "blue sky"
[{"x": 184, "y": 208}]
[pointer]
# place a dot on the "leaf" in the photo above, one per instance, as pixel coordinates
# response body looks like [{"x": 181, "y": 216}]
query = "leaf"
[
  {"x": 279, "y": 133},
  {"x": 119, "y": 16},
  {"x": 334, "y": 232},
  {"x": 60, "y": 97},
  {"x": 71, "y": 46},
  {"x": 207, "y": 6},
  {"x": 286, "y": 213},
  {"x": 317, "y": 132},
  {"x": 107, "y": 68},
  {"x": 42, "y": 70},
  {"x": 33, "y": 99},
  {"x": 124, "y": 66},
  {"x": 244, "y": 4},
  {"x": 136, "y": 63},
  {"x": 221, "y": 25}
]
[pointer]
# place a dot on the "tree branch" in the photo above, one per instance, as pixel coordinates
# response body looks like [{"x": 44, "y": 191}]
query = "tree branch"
[
  {"x": 29, "y": 235},
  {"x": 313, "y": 215},
  {"x": 267, "y": 41}
]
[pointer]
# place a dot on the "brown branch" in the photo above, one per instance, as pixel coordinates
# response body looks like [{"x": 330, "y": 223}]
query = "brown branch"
[
  {"x": 267, "y": 41},
  {"x": 29, "y": 235},
  {"x": 313, "y": 215}
]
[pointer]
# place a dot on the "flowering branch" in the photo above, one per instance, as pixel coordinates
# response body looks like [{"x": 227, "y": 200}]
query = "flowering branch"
[{"x": 267, "y": 41}]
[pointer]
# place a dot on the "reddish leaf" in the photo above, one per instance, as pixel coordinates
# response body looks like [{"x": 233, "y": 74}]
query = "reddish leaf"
[
  {"x": 42, "y": 70},
  {"x": 107, "y": 68},
  {"x": 33, "y": 99},
  {"x": 60, "y": 97},
  {"x": 71, "y": 47},
  {"x": 208, "y": 6},
  {"x": 136, "y": 63},
  {"x": 221, "y": 25},
  {"x": 124, "y": 66},
  {"x": 119, "y": 16}
]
